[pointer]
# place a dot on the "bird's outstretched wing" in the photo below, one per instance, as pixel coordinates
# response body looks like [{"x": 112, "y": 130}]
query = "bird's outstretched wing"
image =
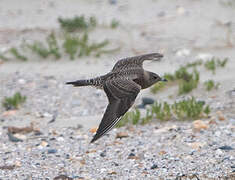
[
  {"x": 121, "y": 94},
  {"x": 135, "y": 61}
]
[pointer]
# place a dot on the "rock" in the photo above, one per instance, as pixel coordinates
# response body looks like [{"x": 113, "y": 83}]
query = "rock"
[
  {"x": 146, "y": 101},
  {"x": 196, "y": 145},
  {"x": 51, "y": 151},
  {"x": 12, "y": 138},
  {"x": 183, "y": 53},
  {"x": 9, "y": 113},
  {"x": 154, "y": 166},
  {"x": 22, "y": 81},
  {"x": 44, "y": 143},
  {"x": 132, "y": 156},
  {"x": 199, "y": 125},
  {"x": 226, "y": 148},
  {"x": 219, "y": 152},
  {"x": 62, "y": 177},
  {"x": 220, "y": 116},
  {"x": 103, "y": 154},
  {"x": 162, "y": 152},
  {"x": 122, "y": 135},
  {"x": 93, "y": 130}
]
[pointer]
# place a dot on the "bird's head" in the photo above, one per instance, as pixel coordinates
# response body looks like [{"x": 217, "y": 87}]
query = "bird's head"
[{"x": 154, "y": 78}]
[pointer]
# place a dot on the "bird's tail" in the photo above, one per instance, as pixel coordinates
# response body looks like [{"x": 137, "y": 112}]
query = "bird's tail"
[{"x": 80, "y": 83}]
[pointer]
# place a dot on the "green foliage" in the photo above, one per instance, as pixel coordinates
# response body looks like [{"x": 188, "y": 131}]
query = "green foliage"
[
  {"x": 210, "y": 84},
  {"x": 215, "y": 62},
  {"x": 16, "y": 53},
  {"x": 169, "y": 77},
  {"x": 189, "y": 82},
  {"x": 53, "y": 46},
  {"x": 3, "y": 57},
  {"x": 114, "y": 24},
  {"x": 13, "y": 102},
  {"x": 186, "y": 109},
  {"x": 194, "y": 64},
  {"x": 158, "y": 86},
  {"x": 77, "y": 23},
  {"x": 222, "y": 63},
  {"x": 132, "y": 117},
  {"x": 210, "y": 65},
  {"x": 43, "y": 51},
  {"x": 161, "y": 111},
  {"x": 70, "y": 45},
  {"x": 189, "y": 109}
]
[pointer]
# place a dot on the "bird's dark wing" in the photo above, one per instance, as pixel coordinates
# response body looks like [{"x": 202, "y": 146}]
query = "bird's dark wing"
[
  {"x": 135, "y": 61},
  {"x": 121, "y": 94}
]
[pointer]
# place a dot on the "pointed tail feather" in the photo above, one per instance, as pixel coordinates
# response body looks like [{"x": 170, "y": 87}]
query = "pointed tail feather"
[{"x": 79, "y": 83}]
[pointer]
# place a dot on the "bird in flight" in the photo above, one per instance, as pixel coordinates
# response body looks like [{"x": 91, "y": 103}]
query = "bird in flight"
[{"x": 121, "y": 85}]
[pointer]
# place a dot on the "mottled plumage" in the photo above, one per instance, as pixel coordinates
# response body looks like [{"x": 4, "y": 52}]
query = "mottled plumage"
[{"x": 122, "y": 86}]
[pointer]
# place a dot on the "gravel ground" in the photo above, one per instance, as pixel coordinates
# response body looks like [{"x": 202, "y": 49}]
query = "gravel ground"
[
  {"x": 57, "y": 146},
  {"x": 152, "y": 151},
  {"x": 158, "y": 150}
]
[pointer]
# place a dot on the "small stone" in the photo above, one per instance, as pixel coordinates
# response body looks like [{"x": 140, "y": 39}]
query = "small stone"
[
  {"x": 122, "y": 135},
  {"x": 196, "y": 145},
  {"x": 103, "y": 154},
  {"x": 154, "y": 166},
  {"x": 9, "y": 113},
  {"x": 219, "y": 152},
  {"x": 226, "y": 148},
  {"x": 12, "y": 138},
  {"x": 162, "y": 152},
  {"x": 22, "y": 81},
  {"x": 220, "y": 116},
  {"x": 146, "y": 101},
  {"x": 93, "y": 130},
  {"x": 60, "y": 139},
  {"x": 44, "y": 143},
  {"x": 183, "y": 53},
  {"x": 133, "y": 156},
  {"x": 18, "y": 164},
  {"x": 199, "y": 125},
  {"x": 51, "y": 151}
]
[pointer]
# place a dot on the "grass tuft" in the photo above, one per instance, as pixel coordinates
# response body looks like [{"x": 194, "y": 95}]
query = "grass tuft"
[
  {"x": 114, "y": 24},
  {"x": 77, "y": 23},
  {"x": 13, "y": 102},
  {"x": 210, "y": 84},
  {"x": 16, "y": 53}
]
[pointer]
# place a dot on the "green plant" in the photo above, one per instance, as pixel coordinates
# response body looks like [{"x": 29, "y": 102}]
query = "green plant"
[
  {"x": 222, "y": 63},
  {"x": 210, "y": 84},
  {"x": 13, "y": 102},
  {"x": 53, "y": 46},
  {"x": 114, "y": 24},
  {"x": 158, "y": 86},
  {"x": 194, "y": 64},
  {"x": 3, "y": 57},
  {"x": 77, "y": 23},
  {"x": 211, "y": 65},
  {"x": 189, "y": 82},
  {"x": 71, "y": 45},
  {"x": 43, "y": 51},
  {"x": 189, "y": 109},
  {"x": 132, "y": 117},
  {"x": 148, "y": 117},
  {"x": 85, "y": 49},
  {"x": 16, "y": 53},
  {"x": 161, "y": 111}
]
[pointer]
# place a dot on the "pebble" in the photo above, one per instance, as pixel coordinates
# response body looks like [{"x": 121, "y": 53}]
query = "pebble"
[
  {"x": 154, "y": 166},
  {"x": 199, "y": 125},
  {"x": 122, "y": 135},
  {"x": 13, "y": 138},
  {"x": 51, "y": 151},
  {"x": 226, "y": 148}
]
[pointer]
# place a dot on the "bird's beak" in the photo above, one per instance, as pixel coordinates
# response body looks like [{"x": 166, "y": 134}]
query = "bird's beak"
[{"x": 163, "y": 79}]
